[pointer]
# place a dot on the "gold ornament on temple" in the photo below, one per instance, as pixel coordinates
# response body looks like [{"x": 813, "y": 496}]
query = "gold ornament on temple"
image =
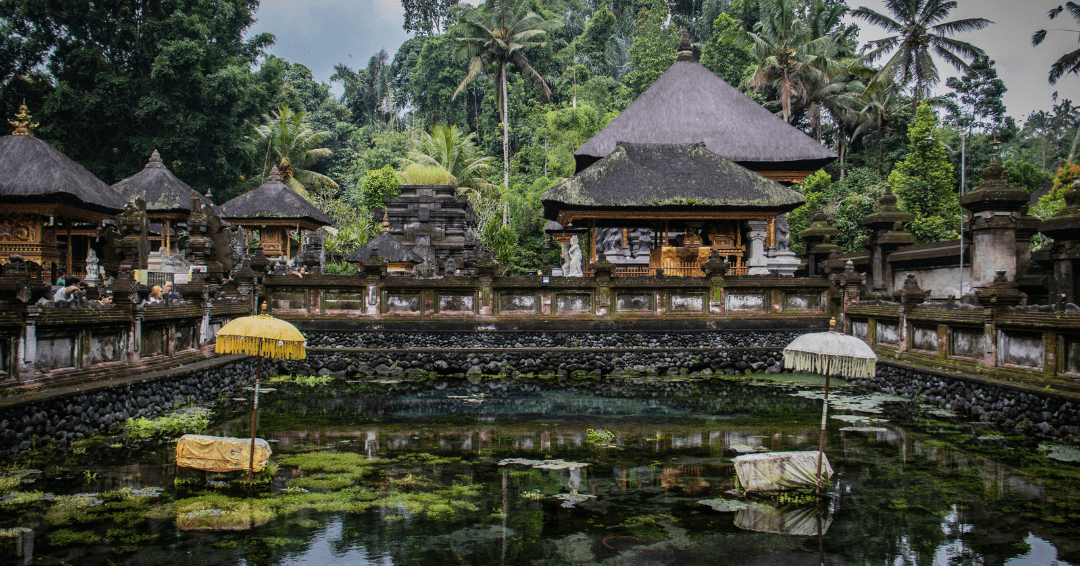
[{"x": 23, "y": 123}]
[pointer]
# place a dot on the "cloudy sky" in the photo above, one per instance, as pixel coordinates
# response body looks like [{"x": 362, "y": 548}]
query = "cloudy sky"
[{"x": 323, "y": 33}]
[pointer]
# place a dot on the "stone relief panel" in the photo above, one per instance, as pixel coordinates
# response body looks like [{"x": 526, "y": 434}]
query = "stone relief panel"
[
  {"x": 402, "y": 303},
  {"x": 573, "y": 303},
  {"x": 888, "y": 333},
  {"x": 337, "y": 302},
  {"x": 457, "y": 302},
  {"x": 860, "y": 329},
  {"x": 687, "y": 302},
  {"x": 1024, "y": 350},
  {"x": 968, "y": 342},
  {"x": 634, "y": 302},
  {"x": 108, "y": 347},
  {"x": 924, "y": 338},
  {"x": 802, "y": 302},
  {"x": 519, "y": 303},
  {"x": 745, "y": 302},
  {"x": 55, "y": 352}
]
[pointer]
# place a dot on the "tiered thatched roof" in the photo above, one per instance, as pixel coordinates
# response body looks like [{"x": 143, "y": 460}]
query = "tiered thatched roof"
[
  {"x": 34, "y": 172},
  {"x": 690, "y": 104},
  {"x": 388, "y": 247},
  {"x": 668, "y": 175},
  {"x": 273, "y": 200},
  {"x": 161, "y": 189}
]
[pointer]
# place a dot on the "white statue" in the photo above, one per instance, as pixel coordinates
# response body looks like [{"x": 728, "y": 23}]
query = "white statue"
[
  {"x": 572, "y": 268},
  {"x": 92, "y": 269}
]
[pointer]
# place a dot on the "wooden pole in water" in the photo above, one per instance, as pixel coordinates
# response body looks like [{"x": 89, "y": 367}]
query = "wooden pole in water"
[
  {"x": 255, "y": 424},
  {"x": 821, "y": 441}
]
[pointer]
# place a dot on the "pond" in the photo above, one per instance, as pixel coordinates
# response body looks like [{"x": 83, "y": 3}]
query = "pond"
[{"x": 523, "y": 472}]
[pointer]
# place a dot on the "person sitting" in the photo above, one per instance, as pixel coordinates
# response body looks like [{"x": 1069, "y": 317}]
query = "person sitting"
[
  {"x": 155, "y": 296},
  {"x": 301, "y": 272},
  {"x": 70, "y": 294},
  {"x": 168, "y": 293}
]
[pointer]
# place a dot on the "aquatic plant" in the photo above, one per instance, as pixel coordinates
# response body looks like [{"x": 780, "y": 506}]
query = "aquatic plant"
[
  {"x": 66, "y": 537},
  {"x": 9, "y": 483},
  {"x": 221, "y": 513},
  {"x": 304, "y": 380},
  {"x": 601, "y": 438},
  {"x": 171, "y": 426},
  {"x": 20, "y": 498}
]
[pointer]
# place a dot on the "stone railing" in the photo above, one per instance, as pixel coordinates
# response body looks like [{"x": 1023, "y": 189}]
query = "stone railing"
[
  {"x": 599, "y": 297},
  {"x": 40, "y": 344},
  {"x": 1036, "y": 345}
]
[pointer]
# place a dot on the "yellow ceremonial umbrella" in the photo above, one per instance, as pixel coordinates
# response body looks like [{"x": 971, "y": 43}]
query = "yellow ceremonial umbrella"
[{"x": 261, "y": 335}]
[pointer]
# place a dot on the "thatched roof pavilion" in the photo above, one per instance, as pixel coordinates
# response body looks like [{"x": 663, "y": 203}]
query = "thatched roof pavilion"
[
  {"x": 273, "y": 209},
  {"x": 44, "y": 196},
  {"x": 675, "y": 177},
  {"x": 168, "y": 199},
  {"x": 690, "y": 104}
]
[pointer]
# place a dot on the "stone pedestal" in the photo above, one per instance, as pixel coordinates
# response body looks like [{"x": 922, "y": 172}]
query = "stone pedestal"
[
  {"x": 1064, "y": 228},
  {"x": 996, "y": 216},
  {"x": 783, "y": 262},
  {"x": 887, "y": 225},
  {"x": 757, "y": 261}
]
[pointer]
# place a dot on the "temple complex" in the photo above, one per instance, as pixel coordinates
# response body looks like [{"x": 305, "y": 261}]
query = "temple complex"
[
  {"x": 690, "y": 169},
  {"x": 274, "y": 210},
  {"x": 52, "y": 206},
  {"x": 168, "y": 200}
]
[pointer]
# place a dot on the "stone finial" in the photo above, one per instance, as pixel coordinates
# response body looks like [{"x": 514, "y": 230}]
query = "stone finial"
[
  {"x": 275, "y": 176},
  {"x": 23, "y": 122},
  {"x": 994, "y": 171},
  {"x": 887, "y": 214},
  {"x": 155, "y": 161},
  {"x": 686, "y": 50},
  {"x": 385, "y": 221}
]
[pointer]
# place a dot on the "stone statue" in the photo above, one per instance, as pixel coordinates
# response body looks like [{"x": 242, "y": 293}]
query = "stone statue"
[
  {"x": 572, "y": 267},
  {"x": 198, "y": 245},
  {"x": 451, "y": 266},
  {"x": 220, "y": 234},
  {"x": 610, "y": 240},
  {"x": 781, "y": 236},
  {"x": 92, "y": 269},
  {"x": 133, "y": 229}
]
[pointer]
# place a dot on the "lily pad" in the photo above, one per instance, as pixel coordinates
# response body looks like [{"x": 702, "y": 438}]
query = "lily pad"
[
  {"x": 1061, "y": 452},
  {"x": 724, "y": 505},
  {"x": 864, "y": 429},
  {"x": 543, "y": 464},
  {"x": 746, "y": 448}
]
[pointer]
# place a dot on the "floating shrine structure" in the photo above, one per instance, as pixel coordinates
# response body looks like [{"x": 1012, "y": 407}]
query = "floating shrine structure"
[
  {"x": 273, "y": 209},
  {"x": 168, "y": 200}
]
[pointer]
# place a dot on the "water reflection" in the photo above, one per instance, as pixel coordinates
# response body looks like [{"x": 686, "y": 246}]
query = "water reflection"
[{"x": 417, "y": 480}]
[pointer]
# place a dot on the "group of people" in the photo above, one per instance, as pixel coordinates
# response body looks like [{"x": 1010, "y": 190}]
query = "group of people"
[
  {"x": 72, "y": 293},
  {"x": 159, "y": 294}
]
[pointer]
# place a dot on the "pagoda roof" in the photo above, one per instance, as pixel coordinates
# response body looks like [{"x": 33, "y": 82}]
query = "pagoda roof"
[
  {"x": 34, "y": 172},
  {"x": 668, "y": 175},
  {"x": 388, "y": 247},
  {"x": 690, "y": 104},
  {"x": 274, "y": 200},
  {"x": 162, "y": 190}
]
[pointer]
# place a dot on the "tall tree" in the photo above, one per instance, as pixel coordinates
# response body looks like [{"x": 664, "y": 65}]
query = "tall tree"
[
  {"x": 924, "y": 182},
  {"x": 426, "y": 17},
  {"x": 920, "y": 34},
  {"x": 293, "y": 147},
  {"x": 1068, "y": 63},
  {"x": 789, "y": 50},
  {"x": 454, "y": 151},
  {"x": 975, "y": 103},
  {"x": 653, "y": 49},
  {"x": 131, "y": 76},
  {"x": 495, "y": 36}
]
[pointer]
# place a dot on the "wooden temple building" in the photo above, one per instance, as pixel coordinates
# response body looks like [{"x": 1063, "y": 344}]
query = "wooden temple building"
[
  {"x": 50, "y": 206},
  {"x": 273, "y": 209},
  {"x": 691, "y": 166},
  {"x": 168, "y": 200}
]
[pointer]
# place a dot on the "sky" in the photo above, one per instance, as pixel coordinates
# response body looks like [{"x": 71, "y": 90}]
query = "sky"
[{"x": 323, "y": 33}]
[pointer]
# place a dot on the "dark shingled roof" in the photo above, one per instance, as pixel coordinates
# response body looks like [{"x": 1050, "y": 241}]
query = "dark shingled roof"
[
  {"x": 32, "y": 171},
  {"x": 161, "y": 189},
  {"x": 653, "y": 175},
  {"x": 273, "y": 199},
  {"x": 690, "y": 104},
  {"x": 388, "y": 247}
]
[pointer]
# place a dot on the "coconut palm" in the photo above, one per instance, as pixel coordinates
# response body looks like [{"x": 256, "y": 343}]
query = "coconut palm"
[
  {"x": 1069, "y": 62},
  {"x": 496, "y": 36},
  {"x": 920, "y": 34},
  {"x": 294, "y": 147},
  {"x": 791, "y": 50},
  {"x": 451, "y": 150},
  {"x": 879, "y": 111}
]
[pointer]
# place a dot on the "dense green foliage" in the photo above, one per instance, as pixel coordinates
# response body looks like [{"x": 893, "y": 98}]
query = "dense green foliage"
[{"x": 110, "y": 81}]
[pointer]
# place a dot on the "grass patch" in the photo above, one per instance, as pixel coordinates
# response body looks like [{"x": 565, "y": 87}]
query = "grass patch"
[
  {"x": 304, "y": 380},
  {"x": 169, "y": 426}
]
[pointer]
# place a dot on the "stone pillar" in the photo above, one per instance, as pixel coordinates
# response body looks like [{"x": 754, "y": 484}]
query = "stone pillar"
[
  {"x": 27, "y": 354},
  {"x": 851, "y": 283},
  {"x": 887, "y": 234},
  {"x": 819, "y": 232},
  {"x": 996, "y": 210},
  {"x": 135, "y": 334},
  {"x": 204, "y": 324},
  {"x": 602, "y": 271},
  {"x": 1064, "y": 228},
  {"x": 757, "y": 233}
]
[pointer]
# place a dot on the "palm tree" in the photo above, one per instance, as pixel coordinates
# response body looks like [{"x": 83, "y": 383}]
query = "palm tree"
[
  {"x": 790, "y": 50},
  {"x": 451, "y": 150},
  {"x": 920, "y": 34},
  {"x": 837, "y": 97},
  {"x": 494, "y": 37},
  {"x": 293, "y": 146},
  {"x": 1069, "y": 62},
  {"x": 879, "y": 110}
]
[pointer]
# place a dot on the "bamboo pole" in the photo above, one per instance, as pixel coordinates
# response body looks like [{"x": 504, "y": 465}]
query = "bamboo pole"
[
  {"x": 255, "y": 423},
  {"x": 821, "y": 440}
]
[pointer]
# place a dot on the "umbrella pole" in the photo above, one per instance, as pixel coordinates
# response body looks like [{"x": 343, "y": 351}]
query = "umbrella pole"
[
  {"x": 821, "y": 440},
  {"x": 255, "y": 424}
]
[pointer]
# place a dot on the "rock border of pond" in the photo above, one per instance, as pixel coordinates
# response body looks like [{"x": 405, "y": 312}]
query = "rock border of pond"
[
  {"x": 69, "y": 413},
  {"x": 1040, "y": 413}
]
